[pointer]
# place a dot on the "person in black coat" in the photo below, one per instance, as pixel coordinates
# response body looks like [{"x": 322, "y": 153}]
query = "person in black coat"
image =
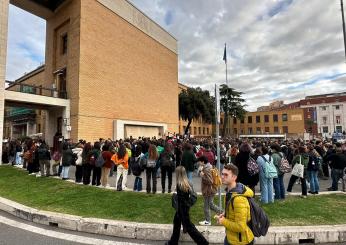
[
  {"x": 182, "y": 214},
  {"x": 241, "y": 162}
]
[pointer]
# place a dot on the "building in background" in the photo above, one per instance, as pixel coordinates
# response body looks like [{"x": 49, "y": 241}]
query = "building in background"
[{"x": 117, "y": 68}]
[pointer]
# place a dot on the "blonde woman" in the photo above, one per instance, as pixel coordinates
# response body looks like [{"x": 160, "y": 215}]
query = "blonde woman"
[{"x": 182, "y": 216}]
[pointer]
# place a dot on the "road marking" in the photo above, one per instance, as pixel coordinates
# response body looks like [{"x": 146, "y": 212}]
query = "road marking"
[{"x": 60, "y": 235}]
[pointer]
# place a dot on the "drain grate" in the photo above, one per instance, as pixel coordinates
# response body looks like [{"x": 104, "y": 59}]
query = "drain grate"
[{"x": 53, "y": 224}]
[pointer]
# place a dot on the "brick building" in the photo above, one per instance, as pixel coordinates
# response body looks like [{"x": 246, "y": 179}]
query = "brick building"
[{"x": 117, "y": 67}]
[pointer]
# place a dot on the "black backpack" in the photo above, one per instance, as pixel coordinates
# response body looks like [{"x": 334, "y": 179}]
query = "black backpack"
[
  {"x": 259, "y": 223},
  {"x": 136, "y": 167},
  {"x": 166, "y": 160}
]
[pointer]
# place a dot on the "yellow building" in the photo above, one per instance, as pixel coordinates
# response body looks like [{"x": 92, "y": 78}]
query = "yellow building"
[
  {"x": 281, "y": 121},
  {"x": 118, "y": 68},
  {"x": 198, "y": 128}
]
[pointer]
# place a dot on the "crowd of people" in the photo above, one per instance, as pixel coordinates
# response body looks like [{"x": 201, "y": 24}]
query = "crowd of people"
[{"x": 245, "y": 163}]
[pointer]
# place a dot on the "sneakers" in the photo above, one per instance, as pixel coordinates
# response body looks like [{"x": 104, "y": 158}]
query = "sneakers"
[
  {"x": 205, "y": 223},
  {"x": 303, "y": 196}
]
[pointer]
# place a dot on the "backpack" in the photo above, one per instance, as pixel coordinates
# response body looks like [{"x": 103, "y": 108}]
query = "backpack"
[
  {"x": 151, "y": 163},
  {"x": 259, "y": 223},
  {"x": 136, "y": 167},
  {"x": 284, "y": 165},
  {"x": 192, "y": 197},
  {"x": 99, "y": 161},
  {"x": 166, "y": 160},
  {"x": 269, "y": 168},
  {"x": 315, "y": 163},
  {"x": 216, "y": 178},
  {"x": 92, "y": 160},
  {"x": 252, "y": 167}
]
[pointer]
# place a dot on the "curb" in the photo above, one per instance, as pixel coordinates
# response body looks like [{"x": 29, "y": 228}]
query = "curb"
[{"x": 159, "y": 232}]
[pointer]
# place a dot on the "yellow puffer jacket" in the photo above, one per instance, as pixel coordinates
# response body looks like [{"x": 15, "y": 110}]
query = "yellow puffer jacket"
[{"x": 235, "y": 222}]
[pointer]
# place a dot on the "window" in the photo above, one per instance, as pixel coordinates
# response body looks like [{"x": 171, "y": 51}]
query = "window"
[
  {"x": 325, "y": 129},
  {"x": 241, "y": 131},
  {"x": 258, "y": 119},
  {"x": 194, "y": 130},
  {"x": 276, "y": 129},
  {"x": 39, "y": 128},
  {"x": 266, "y": 129},
  {"x": 284, "y": 117},
  {"x": 242, "y": 121},
  {"x": 258, "y": 130},
  {"x": 249, "y": 130},
  {"x": 249, "y": 119},
  {"x": 221, "y": 120},
  {"x": 199, "y": 131},
  {"x": 235, "y": 131},
  {"x": 323, "y": 108},
  {"x": 338, "y": 129},
  {"x": 203, "y": 130},
  {"x": 275, "y": 118},
  {"x": 266, "y": 118},
  {"x": 235, "y": 120},
  {"x": 184, "y": 128},
  {"x": 207, "y": 131},
  {"x": 285, "y": 129},
  {"x": 324, "y": 120},
  {"x": 64, "y": 44},
  {"x": 338, "y": 119},
  {"x": 337, "y": 107}
]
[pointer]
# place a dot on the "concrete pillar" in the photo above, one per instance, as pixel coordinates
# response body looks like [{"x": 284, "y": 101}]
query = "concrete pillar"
[
  {"x": 4, "y": 5},
  {"x": 51, "y": 125},
  {"x": 66, "y": 114}
]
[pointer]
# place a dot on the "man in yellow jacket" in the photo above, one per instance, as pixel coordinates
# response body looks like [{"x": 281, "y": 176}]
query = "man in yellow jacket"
[{"x": 236, "y": 218}]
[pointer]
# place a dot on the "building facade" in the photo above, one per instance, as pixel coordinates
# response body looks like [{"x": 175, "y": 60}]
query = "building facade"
[{"x": 117, "y": 67}]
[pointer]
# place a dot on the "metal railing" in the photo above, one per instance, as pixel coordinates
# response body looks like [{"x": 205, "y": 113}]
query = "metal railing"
[{"x": 38, "y": 90}]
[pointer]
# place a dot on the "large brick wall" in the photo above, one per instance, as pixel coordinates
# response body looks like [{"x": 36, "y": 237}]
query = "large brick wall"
[{"x": 124, "y": 74}]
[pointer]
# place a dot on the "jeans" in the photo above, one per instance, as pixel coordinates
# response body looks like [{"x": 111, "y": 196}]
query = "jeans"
[
  {"x": 45, "y": 164},
  {"x": 166, "y": 171},
  {"x": 302, "y": 181},
  {"x": 86, "y": 173},
  {"x": 189, "y": 175},
  {"x": 18, "y": 158},
  {"x": 104, "y": 176},
  {"x": 314, "y": 184},
  {"x": 138, "y": 184},
  {"x": 96, "y": 180},
  {"x": 209, "y": 204},
  {"x": 121, "y": 171},
  {"x": 336, "y": 175},
  {"x": 266, "y": 189},
  {"x": 151, "y": 177},
  {"x": 184, "y": 219},
  {"x": 279, "y": 187},
  {"x": 64, "y": 172}
]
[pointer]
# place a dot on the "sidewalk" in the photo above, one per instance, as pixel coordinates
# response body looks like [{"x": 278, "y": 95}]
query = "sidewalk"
[{"x": 160, "y": 232}]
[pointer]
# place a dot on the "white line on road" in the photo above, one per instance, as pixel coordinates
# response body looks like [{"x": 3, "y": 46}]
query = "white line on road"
[{"x": 60, "y": 235}]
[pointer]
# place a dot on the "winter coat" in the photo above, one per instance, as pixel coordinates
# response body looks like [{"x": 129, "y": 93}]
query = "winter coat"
[
  {"x": 107, "y": 156},
  {"x": 66, "y": 157},
  {"x": 188, "y": 160},
  {"x": 244, "y": 177},
  {"x": 235, "y": 222},
  {"x": 207, "y": 181}
]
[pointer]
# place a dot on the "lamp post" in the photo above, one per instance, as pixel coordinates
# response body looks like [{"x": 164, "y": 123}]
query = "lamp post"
[{"x": 343, "y": 24}]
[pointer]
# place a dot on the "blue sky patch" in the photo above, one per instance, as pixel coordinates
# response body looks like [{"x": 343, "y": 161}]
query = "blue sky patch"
[{"x": 168, "y": 17}]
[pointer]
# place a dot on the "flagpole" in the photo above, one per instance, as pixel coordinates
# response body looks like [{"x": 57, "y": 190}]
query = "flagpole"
[{"x": 226, "y": 66}]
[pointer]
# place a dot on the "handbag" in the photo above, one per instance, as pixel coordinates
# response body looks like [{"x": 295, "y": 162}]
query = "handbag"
[{"x": 298, "y": 169}]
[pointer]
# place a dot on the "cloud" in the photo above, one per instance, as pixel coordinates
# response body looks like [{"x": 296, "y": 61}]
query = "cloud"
[
  {"x": 277, "y": 49},
  {"x": 26, "y": 43}
]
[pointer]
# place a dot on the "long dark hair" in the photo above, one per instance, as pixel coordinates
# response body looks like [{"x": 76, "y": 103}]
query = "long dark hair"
[{"x": 121, "y": 151}]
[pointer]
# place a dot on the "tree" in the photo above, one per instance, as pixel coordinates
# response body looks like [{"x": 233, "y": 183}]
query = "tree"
[
  {"x": 231, "y": 104},
  {"x": 195, "y": 103}
]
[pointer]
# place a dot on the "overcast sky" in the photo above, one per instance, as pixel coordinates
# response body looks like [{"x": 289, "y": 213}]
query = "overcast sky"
[{"x": 276, "y": 49}]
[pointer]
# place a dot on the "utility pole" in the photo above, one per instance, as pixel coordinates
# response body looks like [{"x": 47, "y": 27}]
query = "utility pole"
[{"x": 343, "y": 25}]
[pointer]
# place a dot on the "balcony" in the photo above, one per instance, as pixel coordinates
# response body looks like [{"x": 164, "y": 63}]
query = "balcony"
[{"x": 37, "y": 90}]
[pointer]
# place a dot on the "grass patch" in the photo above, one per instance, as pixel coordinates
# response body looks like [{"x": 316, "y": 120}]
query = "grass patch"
[{"x": 58, "y": 196}]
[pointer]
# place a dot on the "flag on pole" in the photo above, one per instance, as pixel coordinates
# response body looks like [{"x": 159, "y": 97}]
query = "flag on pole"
[{"x": 225, "y": 55}]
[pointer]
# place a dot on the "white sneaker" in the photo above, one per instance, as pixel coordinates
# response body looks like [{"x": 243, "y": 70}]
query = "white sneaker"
[{"x": 205, "y": 223}]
